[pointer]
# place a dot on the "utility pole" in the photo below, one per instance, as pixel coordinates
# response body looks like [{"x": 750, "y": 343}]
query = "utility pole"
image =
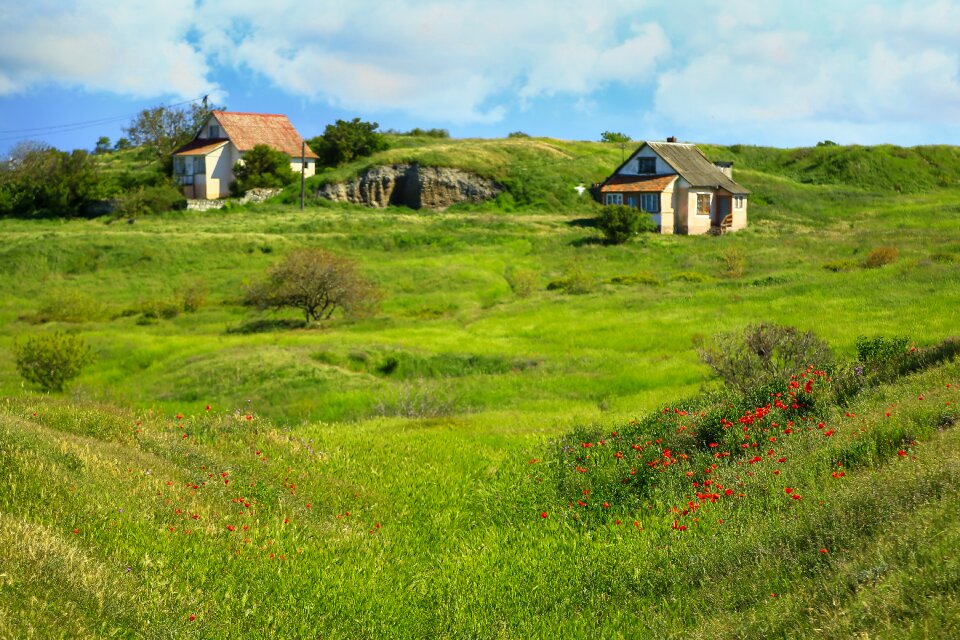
[{"x": 303, "y": 171}]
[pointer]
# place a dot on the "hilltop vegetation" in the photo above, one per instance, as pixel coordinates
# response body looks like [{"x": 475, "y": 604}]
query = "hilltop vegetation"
[{"x": 417, "y": 473}]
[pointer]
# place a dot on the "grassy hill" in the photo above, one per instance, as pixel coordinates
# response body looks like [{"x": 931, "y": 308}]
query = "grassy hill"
[{"x": 458, "y": 448}]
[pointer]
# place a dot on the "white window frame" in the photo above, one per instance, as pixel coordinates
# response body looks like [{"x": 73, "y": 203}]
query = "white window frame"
[
  {"x": 650, "y": 202},
  {"x": 614, "y": 198},
  {"x": 214, "y": 131},
  {"x": 709, "y": 198},
  {"x": 738, "y": 202}
]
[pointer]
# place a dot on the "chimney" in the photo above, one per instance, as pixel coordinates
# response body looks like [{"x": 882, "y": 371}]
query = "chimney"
[
  {"x": 672, "y": 139},
  {"x": 726, "y": 168}
]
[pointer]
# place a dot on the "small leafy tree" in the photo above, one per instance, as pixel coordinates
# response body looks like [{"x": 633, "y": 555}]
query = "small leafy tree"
[
  {"x": 763, "y": 354},
  {"x": 262, "y": 166},
  {"x": 103, "y": 145},
  {"x": 346, "y": 141},
  {"x": 318, "y": 283},
  {"x": 614, "y": 136},
  {"x": 162, "y": 129},
  {"x": 50, "y": 360},
  {"x": 619, "y": 223}
]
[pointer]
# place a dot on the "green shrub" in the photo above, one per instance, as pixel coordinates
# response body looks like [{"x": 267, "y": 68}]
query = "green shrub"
[
  {"x": 522, "y": 281},
  {"x": 734, "y": 262},
  {"x": 619, "y": 223},
  {"x": 575, "y": 281},
  {"x": 194, "y": 296},
  {"x": 946, "y": 258},
  {"x": 157, "y": 309},
  {"x": 841, "y": 265},
  {"x": 880, "y": 350},
  {"x": 643, "y": 277},
  {"x": 346, "y": 141},
  {"x": 692, "y": 276},
  {"x": 262, "y": 167},
  {"x": 69, "y": 306},
  {"x": 763, "y": 354},
  {"x": 50, "y": 360},
  {"x": 518, "y": 134},
  {"x": 881, "y": 256},
  {"x": 150, "y": 199}
]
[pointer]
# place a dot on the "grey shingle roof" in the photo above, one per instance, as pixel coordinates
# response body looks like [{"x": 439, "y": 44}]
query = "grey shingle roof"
[{"x": 694, "y": 167}]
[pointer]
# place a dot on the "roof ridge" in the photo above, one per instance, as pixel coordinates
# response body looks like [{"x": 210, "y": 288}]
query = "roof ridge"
[{"x": 251, "y": 113}]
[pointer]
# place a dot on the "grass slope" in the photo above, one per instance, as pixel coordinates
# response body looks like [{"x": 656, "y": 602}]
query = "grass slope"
[
  {"x": 122, "y": 523},
  {"x": 425, "y": 418}
]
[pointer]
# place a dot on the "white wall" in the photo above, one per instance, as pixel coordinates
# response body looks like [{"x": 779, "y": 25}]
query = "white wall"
[{"x": 630, "y": 168}]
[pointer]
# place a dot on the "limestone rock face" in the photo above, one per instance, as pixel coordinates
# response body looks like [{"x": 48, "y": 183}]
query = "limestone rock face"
[{"x": 413, "y": 186}]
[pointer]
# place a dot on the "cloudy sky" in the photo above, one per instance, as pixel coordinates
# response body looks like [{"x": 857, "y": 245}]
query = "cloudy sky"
[{"x": 730, "y": 71}]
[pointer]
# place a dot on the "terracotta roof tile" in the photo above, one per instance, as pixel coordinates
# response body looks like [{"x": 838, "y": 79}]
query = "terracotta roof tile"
[
  {"x": 621, "y": 183},
  {"x": 247, "y": 130}
]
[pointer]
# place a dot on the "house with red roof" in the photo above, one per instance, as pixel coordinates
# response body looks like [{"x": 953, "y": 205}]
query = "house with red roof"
[
  {"x": 204, "y": 166},
  {"x": 682, "y": 190}
]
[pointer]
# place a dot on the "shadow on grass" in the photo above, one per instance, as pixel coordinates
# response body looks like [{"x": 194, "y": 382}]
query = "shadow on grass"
[
  {"x": 586, "y": 242},
  {"x": 266, "y": 325},
  {"x": 583, "y": 223}
]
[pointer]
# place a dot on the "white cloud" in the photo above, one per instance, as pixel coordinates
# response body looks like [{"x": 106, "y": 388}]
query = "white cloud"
[
  {"x": 446, "y": 61},
  {"x": 888, "y": 67},
  {"x": 133, "y": 48},
  {"x": 746, "y": 65}
]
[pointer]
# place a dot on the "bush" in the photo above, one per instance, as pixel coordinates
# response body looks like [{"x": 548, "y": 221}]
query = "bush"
[
  {"x": 50, "y": 360},
  {"x": 318, "y": 283},
  {"x": 734, "y": 263},
  {"x": 644, "y": 277},
  {"x": 194, "y": 296},
  {"x": 763, "y": 354},
  {"x": 881, "y": 256},
  {"x": 619, "y": 223},
  {"x": 69, "y": 306},
  {"x": 518, "y": 134},
  {"x": 692, "y": 276},
  {"x": 522, "y": 281},
  {"x": 262, "y": 167},
  {"x": 840, "y": 265},
  {"x": 157, "y": 309},
  {"x": 614, "y": 136},
  {"x": 346, "y": 141},
  {"x": 150, "y": 199},
  {"x": 575, "y": 281},
  {"x": 425, "y": 133}
]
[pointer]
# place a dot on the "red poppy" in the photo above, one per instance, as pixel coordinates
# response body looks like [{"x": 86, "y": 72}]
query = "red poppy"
[{"x": 543, "y": 515}]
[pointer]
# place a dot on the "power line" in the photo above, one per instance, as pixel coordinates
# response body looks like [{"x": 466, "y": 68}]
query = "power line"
[{"x": 76, "y": 126}]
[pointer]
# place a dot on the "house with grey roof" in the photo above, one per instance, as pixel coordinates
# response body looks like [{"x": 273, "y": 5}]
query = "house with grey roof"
[{"x": 680, "y": 188}]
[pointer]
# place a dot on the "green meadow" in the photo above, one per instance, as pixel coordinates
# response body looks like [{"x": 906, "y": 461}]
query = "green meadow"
[{"x": 409, "y": 474}]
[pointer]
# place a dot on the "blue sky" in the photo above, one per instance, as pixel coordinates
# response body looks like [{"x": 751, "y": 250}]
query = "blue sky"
[{"x": 730, "y": 71}]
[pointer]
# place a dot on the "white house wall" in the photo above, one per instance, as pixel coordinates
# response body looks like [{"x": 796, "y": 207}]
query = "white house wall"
[
  {"x": 219, "y": 172},
  {"x": 630, "y": 168}
]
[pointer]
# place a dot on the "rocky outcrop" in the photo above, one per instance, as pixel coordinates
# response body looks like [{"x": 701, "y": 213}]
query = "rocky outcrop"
[{"x": 411, "y": 185}]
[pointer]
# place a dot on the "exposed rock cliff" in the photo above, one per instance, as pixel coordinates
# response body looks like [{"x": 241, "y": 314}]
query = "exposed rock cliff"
[{"x": 413, "y": 186}]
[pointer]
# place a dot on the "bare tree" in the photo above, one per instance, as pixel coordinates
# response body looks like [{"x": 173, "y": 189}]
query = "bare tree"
[{"x": 318, "y": 283}]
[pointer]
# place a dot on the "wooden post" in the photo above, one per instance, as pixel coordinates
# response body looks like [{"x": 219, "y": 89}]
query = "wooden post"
[{"x": 303, "y": 171}]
